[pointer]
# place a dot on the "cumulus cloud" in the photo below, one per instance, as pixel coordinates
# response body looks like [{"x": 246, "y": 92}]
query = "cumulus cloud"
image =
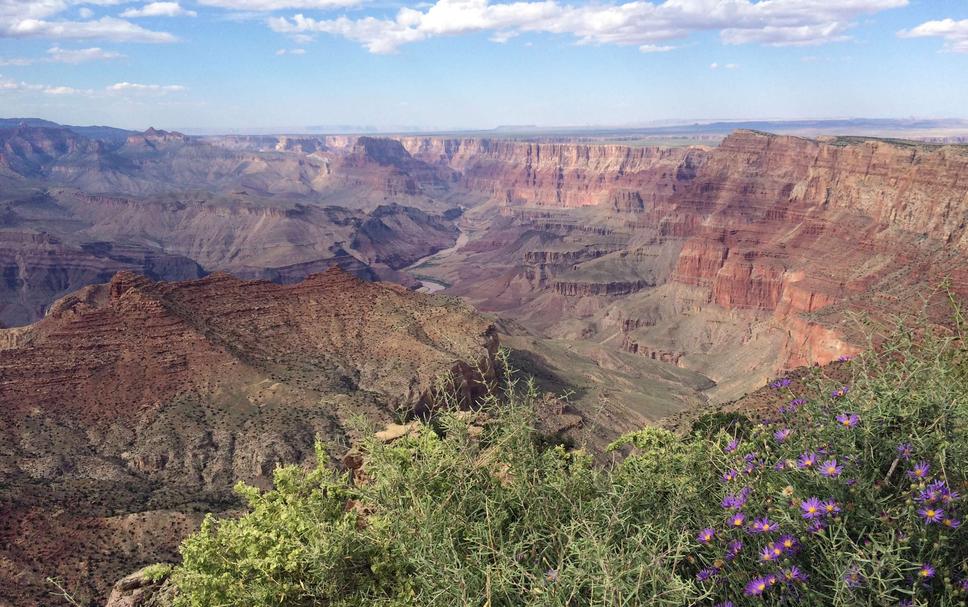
[
  {"x": 291, "y": 51},
  {"x": 159, "y": 9},
  {"x": 725, "y": 66},
  {"x": 134, "y": 87},
  {"x": 39, "y": 18},
  {"x": 649, "y": 25},
  {"x": 954, "y": 33}
]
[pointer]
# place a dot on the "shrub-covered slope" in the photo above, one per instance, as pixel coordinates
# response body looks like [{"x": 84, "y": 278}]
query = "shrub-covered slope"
[{"x": 850, "y": 494}]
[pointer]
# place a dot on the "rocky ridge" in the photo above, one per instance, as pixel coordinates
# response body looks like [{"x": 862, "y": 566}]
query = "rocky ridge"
[{"x": 135, "y": 405}]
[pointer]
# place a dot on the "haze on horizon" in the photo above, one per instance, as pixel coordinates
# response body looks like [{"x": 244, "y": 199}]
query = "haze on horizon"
[{"x": 477, "y": 64}]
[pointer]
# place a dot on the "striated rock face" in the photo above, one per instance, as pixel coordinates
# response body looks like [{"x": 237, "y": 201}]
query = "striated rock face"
[
  {"x": 582, "y": 289},
  {"x": 155, "y": 398},
  {"x": 773, "y": 238},
  {"x": 37, "y": 267},
  {"x": 568, "y": 175}
]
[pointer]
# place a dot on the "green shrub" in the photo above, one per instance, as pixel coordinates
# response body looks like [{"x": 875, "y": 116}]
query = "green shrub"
[
  {"x": 447, "y": 516},
  {"x": 157, "y": 572}
]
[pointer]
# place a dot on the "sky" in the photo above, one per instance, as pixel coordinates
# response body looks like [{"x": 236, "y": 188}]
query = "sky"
[{"x": 466, "y": 64}]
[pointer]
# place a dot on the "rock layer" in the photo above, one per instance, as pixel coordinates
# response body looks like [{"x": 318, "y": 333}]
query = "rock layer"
[{"x": 137, "y": 396}]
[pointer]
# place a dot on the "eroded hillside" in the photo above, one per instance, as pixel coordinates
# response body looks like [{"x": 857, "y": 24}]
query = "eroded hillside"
[{"x": 135, "y": 406}]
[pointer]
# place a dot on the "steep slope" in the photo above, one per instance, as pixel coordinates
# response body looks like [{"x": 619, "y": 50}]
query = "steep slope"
[{"x": 135, "y": 404}]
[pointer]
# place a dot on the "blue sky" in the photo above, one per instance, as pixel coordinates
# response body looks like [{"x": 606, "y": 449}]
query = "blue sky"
[{"x": 441, "y": 64}]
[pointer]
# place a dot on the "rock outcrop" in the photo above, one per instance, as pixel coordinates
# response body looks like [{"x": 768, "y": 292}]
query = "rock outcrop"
[{"x": 155, "y": 398}]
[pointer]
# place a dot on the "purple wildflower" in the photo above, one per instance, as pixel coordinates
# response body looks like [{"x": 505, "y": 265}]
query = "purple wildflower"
[
  {"x": 794, "y": 574},
  {"x": 830, "y": 507},
  {"x": 706, "y": 535},
  {"x": 730, "y": 475},
  {"x": 932, "y": 493},
  {"x": 764, "y": 525},
  {"x": 551, "y": 575},
  {"x": 735, "y": 501},
  {"x": 707, "y": 573},
  {"x": 920, "y": 470},
  {"x": 725, "y": 604},
  {"x": 926, "y": 572},
  {"x": 853, "y": 577},
  {"x": 733, "y": 549},
  {"x": 788, "y": 543},
  {"x": 783, "y": 382},
  {"x": 737, "y": 520},
  {"x": 950, "y": 522},
  {"x": 848, "y": 420},
  {"x": 782, "y": 434},
  {"x": 769, "y": 553},
  {"x": 930, "y": 514},
  {"x": 807, "y": 460},
  {"x": 811, "y": 507},
  {"x": 840, "y": 392},
  {"x": 796, "y": 403},
  {"x": 830, "y": 469},
  {"x": 757, "y": 586},
  {"x": 843, "y": 358},
  {"x": 732, "y": 445},
  {"x": 816, "y": 526},
  {"x": 949, "y": 496},
  {"x": 904, "y": 450}
]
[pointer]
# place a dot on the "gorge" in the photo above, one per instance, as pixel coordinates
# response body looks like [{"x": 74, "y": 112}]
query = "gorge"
[{"x": 185, "y": 312}]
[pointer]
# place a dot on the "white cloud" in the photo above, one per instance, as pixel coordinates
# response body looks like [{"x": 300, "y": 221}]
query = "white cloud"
[
  {"x": 159, "y": 9},
  {"x": 292, "y": 51},
  {"x": 954, "y": 33},
  {"x": 656, "y": 48},
  {"x": 39, "y": 18},
  {"x": 134, "y": 87},
  {"x": 85, "y": 13},
  {"x": 61, "y": 90},
  {"x": 275, "y": 5},
  {"x": 56, "y": 54},
  {"x": 725, "y": 66},
  {"x": 7, "y": 85},
  {"x": 648, "y": 25}
]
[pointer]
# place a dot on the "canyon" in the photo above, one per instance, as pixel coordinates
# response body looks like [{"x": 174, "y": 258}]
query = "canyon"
[{"x": 186, "y": 312}]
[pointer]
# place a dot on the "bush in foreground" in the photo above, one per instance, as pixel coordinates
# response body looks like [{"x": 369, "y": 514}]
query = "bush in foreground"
[{"x": 851, "y": 494}]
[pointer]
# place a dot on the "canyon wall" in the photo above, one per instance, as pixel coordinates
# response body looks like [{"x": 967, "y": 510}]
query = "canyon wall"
[{"x": 795, "y": 233}]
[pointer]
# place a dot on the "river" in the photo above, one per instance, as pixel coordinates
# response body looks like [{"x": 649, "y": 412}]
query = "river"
[{"x": 431, "y": 286}]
